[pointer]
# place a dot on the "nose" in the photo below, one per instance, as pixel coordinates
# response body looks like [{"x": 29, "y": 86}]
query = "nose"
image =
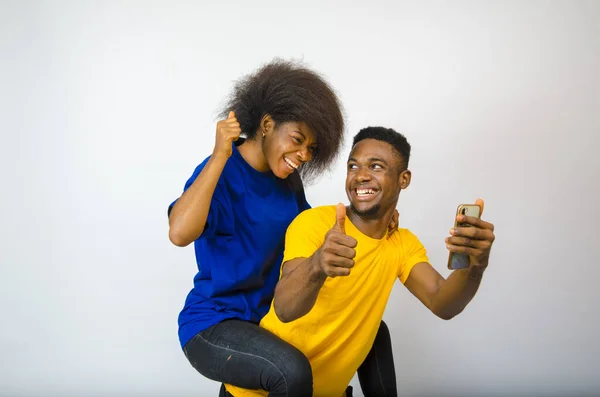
[
  {"x": 304, "y": 155},
  {"x": 363, "y": 175}
]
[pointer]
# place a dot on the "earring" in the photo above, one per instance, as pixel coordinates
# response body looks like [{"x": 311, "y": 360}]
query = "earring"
[{"x": 264, "y": 135}]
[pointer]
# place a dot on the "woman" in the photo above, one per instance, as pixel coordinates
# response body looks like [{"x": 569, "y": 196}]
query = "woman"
[{"x": 236, "y": 207}]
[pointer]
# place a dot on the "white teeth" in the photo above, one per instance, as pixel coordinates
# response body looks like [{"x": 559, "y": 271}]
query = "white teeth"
[
  {"x": 364, "y": 192},
  {"x": 291, "y": 163}
]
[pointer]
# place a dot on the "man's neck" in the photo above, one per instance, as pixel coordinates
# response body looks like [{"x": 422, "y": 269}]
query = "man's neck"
[{"x": 374, "y": 227}]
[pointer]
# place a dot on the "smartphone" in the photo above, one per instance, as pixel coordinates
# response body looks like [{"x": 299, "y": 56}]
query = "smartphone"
[{"x": 457, "y": 260}]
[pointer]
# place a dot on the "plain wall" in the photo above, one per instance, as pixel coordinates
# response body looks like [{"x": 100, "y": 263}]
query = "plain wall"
[{"x": 107, "y": 107}]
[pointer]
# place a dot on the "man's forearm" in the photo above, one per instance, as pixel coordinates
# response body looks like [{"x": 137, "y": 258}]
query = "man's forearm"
[
  {"x": 297, "y": 291},
  {"x": 456, "y": 292}
]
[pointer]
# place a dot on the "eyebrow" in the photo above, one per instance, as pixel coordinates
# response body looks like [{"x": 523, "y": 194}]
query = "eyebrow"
[
  {"x": 371, "y": 159},
  {"x": 314, "y": 144}
]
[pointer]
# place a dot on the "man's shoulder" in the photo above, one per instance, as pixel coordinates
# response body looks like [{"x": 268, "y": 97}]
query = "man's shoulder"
[
  {"x": 316, "y": 217},
  {"x": 403, "y": 236},
  {"x": 325, "y": 211},
  {"x": 307, "y": 231},
  {"x": 405, "y": 240}
]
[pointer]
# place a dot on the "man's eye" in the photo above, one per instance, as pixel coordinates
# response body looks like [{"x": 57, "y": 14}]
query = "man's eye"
[
  {"x": 297, "y": 140},
  {"x": 351, "y": 166},
  {"x": 377, "y": 166}
]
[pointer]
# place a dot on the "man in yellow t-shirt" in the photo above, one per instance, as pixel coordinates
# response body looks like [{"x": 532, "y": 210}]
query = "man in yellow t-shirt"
[{"x": 338, "y": 270}]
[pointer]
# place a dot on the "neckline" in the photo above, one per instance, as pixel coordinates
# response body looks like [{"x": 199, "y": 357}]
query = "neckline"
[
  {"x": 362, "y": 235},
  {"x": 254, "y": 171}
]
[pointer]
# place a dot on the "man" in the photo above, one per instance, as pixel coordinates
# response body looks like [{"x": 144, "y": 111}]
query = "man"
[{"x": 339, "y": 270}]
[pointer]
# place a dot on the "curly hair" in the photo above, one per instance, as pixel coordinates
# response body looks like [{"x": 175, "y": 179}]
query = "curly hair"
[
  {"x": 288, "y": 91},
  {"x": 389, "y": 135}
]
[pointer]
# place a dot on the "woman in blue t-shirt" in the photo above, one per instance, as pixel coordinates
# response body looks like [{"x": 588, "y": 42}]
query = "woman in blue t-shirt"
[{"x": 281, "y": 121}]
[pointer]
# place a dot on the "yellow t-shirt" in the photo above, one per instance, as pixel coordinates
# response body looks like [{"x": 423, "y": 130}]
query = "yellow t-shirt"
[{"x": 337, "y": 334}]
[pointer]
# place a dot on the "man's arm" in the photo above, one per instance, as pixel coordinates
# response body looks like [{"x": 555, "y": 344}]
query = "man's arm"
[
  {"x": 302, "y": 278},
  {"x": 448, "y": 297},
  {"x": 297, "y": 291}
]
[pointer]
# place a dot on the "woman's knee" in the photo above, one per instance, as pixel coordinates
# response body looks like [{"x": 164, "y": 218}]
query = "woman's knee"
[
  {"x": 293, "y": 376},
  {"x": 299, "y": 372}
]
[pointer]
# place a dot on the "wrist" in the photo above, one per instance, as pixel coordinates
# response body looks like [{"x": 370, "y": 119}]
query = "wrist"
[
  {"x": 218, "y": 159},
  {"x": 476, "y": 272},
  {"x": 316, "y": 274}
]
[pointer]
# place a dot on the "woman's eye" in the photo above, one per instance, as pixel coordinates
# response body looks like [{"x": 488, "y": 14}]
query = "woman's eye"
[{"x": 297, "y": 140}]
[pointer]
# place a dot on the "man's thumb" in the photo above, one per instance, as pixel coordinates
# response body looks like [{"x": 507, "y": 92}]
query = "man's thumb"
[
  {"x": 480, "y": 203},
  {"x": 340, "y": 217}
]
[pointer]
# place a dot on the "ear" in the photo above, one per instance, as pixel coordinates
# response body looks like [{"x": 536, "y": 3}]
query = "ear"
[
  {"x": 267, "y": 125},
  {"x": 404, "y": 179}
]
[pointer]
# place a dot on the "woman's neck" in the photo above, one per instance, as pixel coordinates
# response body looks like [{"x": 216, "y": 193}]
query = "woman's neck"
[{"x": 252, "y": 152}]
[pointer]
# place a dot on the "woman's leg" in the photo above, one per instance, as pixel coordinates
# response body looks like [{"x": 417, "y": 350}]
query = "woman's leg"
[
  {"x": 377, "y": 375},
  {"x": 243, "y": 354}
]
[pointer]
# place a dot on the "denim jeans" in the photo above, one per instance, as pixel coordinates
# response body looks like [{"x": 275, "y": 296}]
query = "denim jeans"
[{"x": 243, "y": 354}]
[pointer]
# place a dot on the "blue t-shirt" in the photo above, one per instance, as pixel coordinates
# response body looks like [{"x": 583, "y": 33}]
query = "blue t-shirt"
[{"x": 239, "y": 253}]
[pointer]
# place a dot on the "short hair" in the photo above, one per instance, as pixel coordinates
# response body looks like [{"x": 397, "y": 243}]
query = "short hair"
[
  {"x": 394, "y": 138},
  {"x": 288, "y": 91}
]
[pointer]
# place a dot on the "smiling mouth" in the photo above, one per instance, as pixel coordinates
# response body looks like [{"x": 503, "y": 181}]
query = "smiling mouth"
[
  {"x": 364, "y": 193},
  {"x": 291, "y": 164}
]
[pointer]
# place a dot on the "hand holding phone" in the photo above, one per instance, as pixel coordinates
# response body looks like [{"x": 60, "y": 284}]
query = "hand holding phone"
[{"x": 470, "y": 239}]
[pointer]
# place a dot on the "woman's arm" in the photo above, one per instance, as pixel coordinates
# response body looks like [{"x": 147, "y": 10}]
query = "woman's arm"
[{"x": 187, "y": 218}]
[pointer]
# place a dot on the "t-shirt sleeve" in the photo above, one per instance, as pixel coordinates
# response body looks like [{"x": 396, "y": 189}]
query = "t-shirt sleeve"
[
  {"x": 219, "y": 204},
  {"x": 297, "y": 186},
  {"x": 414, "y": 253},
  {"x": 305, "y": 235}
]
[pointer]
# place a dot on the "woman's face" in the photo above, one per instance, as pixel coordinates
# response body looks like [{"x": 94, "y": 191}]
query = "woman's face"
[{"x": 287, "y": 146}]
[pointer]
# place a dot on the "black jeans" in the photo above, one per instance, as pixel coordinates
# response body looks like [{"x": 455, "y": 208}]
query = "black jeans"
[{"x": 243, "y": 354}]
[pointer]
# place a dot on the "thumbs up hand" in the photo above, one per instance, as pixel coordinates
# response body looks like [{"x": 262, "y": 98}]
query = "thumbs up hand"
[
  {"x": 228, "y": 131},
  {"x": 336, "y": 255},
  {"x": 340, "y": 218}
]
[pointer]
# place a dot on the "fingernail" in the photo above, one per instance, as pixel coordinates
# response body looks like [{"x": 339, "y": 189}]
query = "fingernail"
[{"x": 452, "y": 231}]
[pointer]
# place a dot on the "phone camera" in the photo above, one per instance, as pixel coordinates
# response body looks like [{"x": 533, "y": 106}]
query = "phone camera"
[{"x": 463, "y": 211}]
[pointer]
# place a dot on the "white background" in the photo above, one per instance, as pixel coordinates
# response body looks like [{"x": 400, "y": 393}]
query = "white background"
[{"x": 107, "y": 107}]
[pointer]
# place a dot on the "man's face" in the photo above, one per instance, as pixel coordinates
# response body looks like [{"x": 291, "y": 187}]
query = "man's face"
[{"x": 374, "y": 178}]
